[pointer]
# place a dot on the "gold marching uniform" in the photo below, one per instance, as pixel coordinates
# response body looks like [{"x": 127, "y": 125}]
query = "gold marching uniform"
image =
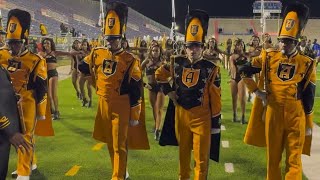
[
  {"x": 117, "y": 77},
  {"x": 28, "y": 73},
  {"x": 197, "y": 85},
  {"x": 286, "y": 120}
]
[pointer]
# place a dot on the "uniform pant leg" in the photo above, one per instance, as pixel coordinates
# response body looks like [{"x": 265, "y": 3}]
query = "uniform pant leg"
[
  {"x": 120, "y": 121},
  {"x": 25, "y": 158},
  {"x": 295, "y": 135},
  {"x": 184, "y": 137},
  {"x": 274, "y": 140},
  {"x": 4, "y": 156},
  {"x": 201, "y": 128},
  {"x": 103, "y": 127}
]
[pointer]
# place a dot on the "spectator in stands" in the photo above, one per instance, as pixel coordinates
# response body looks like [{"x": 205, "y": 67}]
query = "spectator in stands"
[
  {"x": 153, "y": 61},
  {"x": 76, "y": 47},
  {"x": 63, "y": 29},
  {"x": 85, "y": 48},
  {"x": 304, "y": 49},
  {"x": 238, "y": 88},
  {"x": 316, "y": 48},
  {"x": 73, "y": 32},
  {"x": 50, "y": 54}
]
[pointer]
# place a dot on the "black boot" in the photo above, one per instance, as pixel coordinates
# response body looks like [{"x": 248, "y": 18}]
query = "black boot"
[
  {"x": 84, "y": 102},
  {"x": 243, "y": 120},
  {"x": 56, "y": 115},
  {"x": 157, "y": 134},
  {"x": 234, "y": 117},
  {"x": 90, "y": 104}
]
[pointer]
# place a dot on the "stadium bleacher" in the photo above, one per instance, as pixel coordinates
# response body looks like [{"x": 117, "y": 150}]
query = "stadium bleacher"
[{"x": 67, "y": 8}]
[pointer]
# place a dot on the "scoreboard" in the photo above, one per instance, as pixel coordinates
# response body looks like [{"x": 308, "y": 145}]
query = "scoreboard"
[{"x": 269, "y": 6}]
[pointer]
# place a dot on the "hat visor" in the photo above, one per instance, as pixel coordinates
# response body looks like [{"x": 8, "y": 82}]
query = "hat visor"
[
  {"x": 190, "y": 43},
  {"x": 287, "y": 37},
  {"x": 113, "y": 37},
  {"x": 14, "y": 40}
]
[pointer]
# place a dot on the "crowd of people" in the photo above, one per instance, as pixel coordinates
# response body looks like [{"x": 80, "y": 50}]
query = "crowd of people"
[{"x": 281, "y": 75}]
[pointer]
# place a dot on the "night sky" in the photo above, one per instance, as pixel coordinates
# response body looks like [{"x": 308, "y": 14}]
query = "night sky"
[{"x": 160, "y": 10}]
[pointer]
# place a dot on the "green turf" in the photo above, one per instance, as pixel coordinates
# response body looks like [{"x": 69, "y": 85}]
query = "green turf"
[{"x": 73, "y": 142}]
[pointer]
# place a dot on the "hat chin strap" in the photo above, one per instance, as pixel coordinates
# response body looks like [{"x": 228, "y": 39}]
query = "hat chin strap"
[{"x": 290, "y": 53}]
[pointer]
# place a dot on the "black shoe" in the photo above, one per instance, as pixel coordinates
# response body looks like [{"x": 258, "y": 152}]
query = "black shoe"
[
  {"x": 157, "y": 134},
  {"x": 89, "y": 104},
  {"x": 84, "y": 102},
  {"x": 56, "y": 115},
  {"x": 243, "y": 120},
  {"x": 234, "y": 117}
]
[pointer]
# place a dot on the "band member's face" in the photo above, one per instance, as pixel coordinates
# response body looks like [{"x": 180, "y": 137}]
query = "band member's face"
[
  {"x": 47, "y": 45},
  {"x": 114, "y": 43},
  {"x": 155, "y": 52},
  {"x": 194, "y": 51},
  {"x": 15, "y": 47},
  {"x": 287, "y": 45}
]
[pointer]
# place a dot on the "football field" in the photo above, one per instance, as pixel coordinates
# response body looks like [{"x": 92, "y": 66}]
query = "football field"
[{"x": 73, "y": 154}]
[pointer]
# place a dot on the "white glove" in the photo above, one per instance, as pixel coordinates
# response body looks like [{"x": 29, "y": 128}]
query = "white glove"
[
  {"x": 133, "y": 122},
  {"x": 262, "y": 95},
  {"x": 215, "y": 130}
]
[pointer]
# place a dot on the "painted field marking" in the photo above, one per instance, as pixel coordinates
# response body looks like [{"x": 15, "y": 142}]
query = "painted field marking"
[
  {"x": 98, "y": 146},
  {"x": 225, "y": 144},
  {"x": 73, "y": 171},
  {"x": 228, "y": 167},
  {"x": 223, "y": 128}
]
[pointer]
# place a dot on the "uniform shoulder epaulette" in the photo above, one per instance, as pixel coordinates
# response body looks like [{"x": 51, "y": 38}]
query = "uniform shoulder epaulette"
[
  {"x": 36, "y": 55},
  {"x": 272, "y": 49},
  {"x": 133, "y": 55},
  {"x": 306, "y": 56},
  {"x": 211, "y": 61},
  {"x": 99, "y": 48},
  {"x": 4, "y": 48}
]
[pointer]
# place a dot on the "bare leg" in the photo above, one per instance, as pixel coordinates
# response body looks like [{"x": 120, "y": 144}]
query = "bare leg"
[
  {"x": 242, "y": 98},
  {"x": 152, "y": 99},
  {"x": 234, "y": 95}
]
